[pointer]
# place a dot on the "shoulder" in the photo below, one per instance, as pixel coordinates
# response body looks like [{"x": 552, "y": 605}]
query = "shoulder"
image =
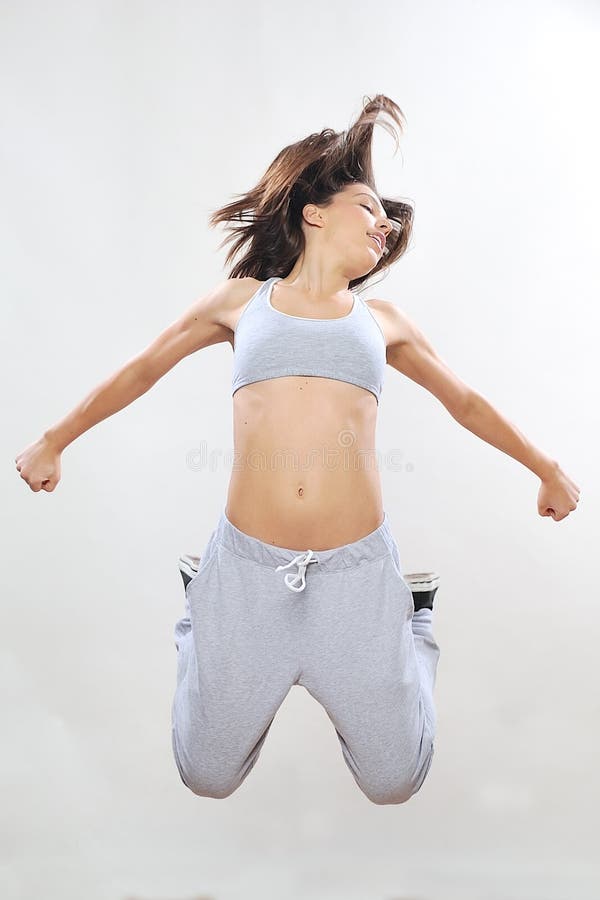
[
  {"x": 397, "y": 328},
  {"x": 231, "y": 290},
  {"x": 227, "y": 298}
]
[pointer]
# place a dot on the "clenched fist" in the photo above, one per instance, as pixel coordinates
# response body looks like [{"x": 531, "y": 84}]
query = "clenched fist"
[
  {"x": 558, "y": 495},
  {"x": 39, "y": 465}
]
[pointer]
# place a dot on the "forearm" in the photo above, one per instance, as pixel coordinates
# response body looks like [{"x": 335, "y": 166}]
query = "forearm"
[
  {"x": 118, "y": 391},
  {"x": 486, "y": 422}
]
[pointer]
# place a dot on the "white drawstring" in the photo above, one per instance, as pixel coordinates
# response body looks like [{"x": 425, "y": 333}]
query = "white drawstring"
[{"x": 302, "y": 561}]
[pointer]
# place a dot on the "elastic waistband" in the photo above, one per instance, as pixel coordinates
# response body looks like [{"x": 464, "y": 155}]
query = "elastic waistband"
[{"x": 372, "y": 546}]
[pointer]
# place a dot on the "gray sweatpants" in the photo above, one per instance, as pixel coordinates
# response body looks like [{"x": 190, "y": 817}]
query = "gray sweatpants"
[{"x": 340, "y": 622}]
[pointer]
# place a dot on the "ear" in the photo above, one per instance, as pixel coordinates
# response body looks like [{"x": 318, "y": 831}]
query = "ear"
[{"x": 311, "y": 214}]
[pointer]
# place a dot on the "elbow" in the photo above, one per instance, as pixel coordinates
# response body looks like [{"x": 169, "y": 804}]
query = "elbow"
[
  {"x": 141, "y": 373},
  {"x": 465, "y": 405}
]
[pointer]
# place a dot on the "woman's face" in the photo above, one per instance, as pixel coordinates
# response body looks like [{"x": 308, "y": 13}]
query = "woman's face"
[{"x": 348, "y": 226}]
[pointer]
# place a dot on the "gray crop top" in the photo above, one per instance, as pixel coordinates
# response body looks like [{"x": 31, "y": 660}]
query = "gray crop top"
[{"x": 269, "y": 343}]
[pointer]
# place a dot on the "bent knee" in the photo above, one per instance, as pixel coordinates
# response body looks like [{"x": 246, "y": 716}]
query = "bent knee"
[
  {"x": 205, "y": 784},
  {"x": 204, "y": 778},
  {"x": 396, "y": 788},
  {"x": 391, "y": 792}
]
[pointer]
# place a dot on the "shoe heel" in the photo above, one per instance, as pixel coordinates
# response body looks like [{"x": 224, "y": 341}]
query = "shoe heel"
[
  {"x": 188, "y": 566},
  {"x": 423, "y": 586}
]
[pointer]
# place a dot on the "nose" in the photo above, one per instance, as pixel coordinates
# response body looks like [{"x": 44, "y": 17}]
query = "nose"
[{"x": 297, "y": 582}]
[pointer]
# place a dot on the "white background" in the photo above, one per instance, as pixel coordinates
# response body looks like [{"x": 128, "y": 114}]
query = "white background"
[{"x": 124, "y": 125}]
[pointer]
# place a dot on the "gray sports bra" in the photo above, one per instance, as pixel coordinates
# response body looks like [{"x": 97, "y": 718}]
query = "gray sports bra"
[{"x": 269, "y": 343}]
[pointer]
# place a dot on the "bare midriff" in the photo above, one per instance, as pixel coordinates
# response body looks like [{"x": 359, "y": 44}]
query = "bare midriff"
[{"x": 305, "y": 471}]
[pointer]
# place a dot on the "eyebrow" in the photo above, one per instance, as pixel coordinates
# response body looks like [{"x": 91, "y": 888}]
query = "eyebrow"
[{"x": 371, "y": 197}]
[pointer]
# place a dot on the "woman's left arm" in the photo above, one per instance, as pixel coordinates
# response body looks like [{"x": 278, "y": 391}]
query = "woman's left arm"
[
  {"x": 409, "y": 351},
  {"x": 558, "y": 494}
]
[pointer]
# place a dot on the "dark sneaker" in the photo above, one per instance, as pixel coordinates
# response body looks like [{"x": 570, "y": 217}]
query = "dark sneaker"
[
  {"x": 188, "y": 566},
  {"x": 423, "y": 586}
]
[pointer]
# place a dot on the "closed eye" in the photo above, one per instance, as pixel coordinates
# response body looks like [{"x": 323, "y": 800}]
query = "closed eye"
[{"x": 364, "y": 205}]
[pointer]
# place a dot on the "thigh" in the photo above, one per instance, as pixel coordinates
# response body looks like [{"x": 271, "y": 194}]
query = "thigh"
[
  {"x": 237, "y": 660},
  {"x": 361, "y": 664},
  {"x": 242, "y": 633}
]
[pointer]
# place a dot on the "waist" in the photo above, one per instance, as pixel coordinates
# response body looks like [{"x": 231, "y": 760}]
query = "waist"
[
  {"x": 305, "y": 512},
  {"x": 373, "y": 544}
]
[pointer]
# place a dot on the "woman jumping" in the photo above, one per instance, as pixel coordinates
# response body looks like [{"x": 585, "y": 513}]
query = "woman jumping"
[{"x": 301, "y": 580}]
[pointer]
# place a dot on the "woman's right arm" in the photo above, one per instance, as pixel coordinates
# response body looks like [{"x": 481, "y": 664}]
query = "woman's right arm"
[{"x": 202, "y": 324}]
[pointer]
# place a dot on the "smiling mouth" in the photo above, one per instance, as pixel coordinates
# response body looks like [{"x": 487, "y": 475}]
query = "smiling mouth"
[{"x": 377, "y": 241}]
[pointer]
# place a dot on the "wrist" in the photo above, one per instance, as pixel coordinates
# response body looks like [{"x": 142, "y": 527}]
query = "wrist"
[
  {"x": 545, "y": 467},
  {"x": 53, "y": 438}
]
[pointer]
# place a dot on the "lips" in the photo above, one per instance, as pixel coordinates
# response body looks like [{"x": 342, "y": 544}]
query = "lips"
[{"x": 379, "y": 240}]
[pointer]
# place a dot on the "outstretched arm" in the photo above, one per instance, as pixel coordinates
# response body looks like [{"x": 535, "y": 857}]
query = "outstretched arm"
[
  {"x": 411, "y": 353},
  {"x": 200, "y": 326},
  {"x": 558, "y": 494}
]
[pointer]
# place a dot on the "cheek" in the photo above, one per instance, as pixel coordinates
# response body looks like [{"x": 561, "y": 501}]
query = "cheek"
[
  {"x": 351, "y": 231},
  {"x": 358, "y": 228},
  {"x": 356, "y": 239}
]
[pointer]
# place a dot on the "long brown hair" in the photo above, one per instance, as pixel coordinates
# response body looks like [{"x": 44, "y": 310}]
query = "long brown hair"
[{"x": 311, "y": 171}]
